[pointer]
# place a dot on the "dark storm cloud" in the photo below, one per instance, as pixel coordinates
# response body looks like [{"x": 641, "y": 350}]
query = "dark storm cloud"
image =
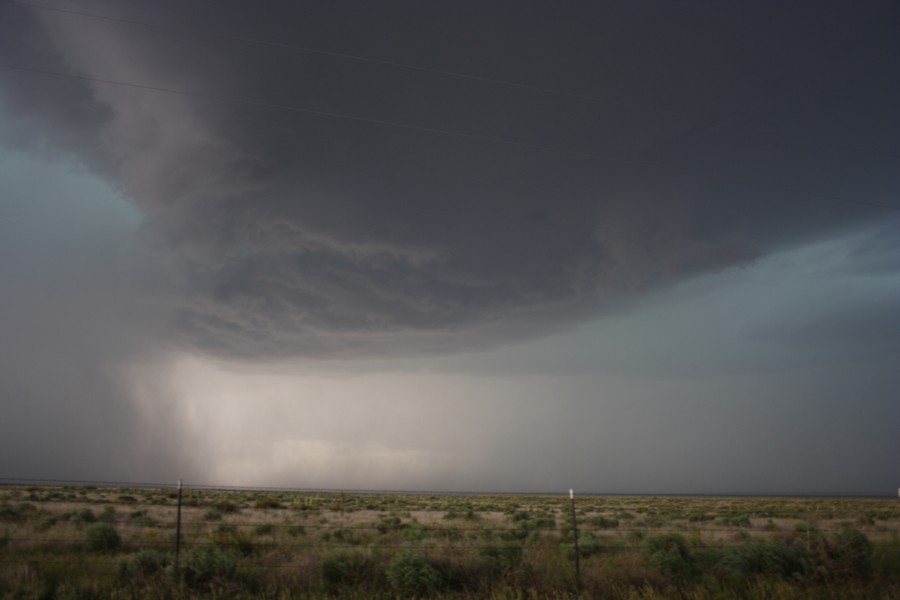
[
  {"x": 74, "y": 326},
  {"x": 288, "y": 233}
]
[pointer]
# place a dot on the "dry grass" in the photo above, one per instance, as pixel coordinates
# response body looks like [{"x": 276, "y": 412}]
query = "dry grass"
[{"x": 492, "y": 546}]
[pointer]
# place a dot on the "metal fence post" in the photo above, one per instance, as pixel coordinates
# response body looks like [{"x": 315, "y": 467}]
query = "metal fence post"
[
  {"x": 575, "y": 535},
  {"x": 178, "y": 529}
]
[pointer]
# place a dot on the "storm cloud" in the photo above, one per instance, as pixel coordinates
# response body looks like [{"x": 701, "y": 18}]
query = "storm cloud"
[
  {"x": 603, "y": 210},
  {"x": 291, "y": 233}
]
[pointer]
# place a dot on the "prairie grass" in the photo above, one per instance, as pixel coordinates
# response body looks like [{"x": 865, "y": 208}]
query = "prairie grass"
[{"x": 68, "y": 542}]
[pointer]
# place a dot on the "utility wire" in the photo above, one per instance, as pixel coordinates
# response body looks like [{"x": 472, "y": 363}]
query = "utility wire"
[
  {"x": 327, "y": 114},
  {"x": 411, "y": 67},
  {"x": 434, "y": 131},
  {"x": 343, "y": 55},
  {"x": 202, "y": 487}
]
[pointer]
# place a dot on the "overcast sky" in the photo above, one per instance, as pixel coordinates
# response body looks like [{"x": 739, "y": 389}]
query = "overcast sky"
[{"x": 625, "y": 247}]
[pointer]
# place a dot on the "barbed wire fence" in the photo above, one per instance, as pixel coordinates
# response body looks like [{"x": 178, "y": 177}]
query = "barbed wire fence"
[{"x": 41, "y": 520}]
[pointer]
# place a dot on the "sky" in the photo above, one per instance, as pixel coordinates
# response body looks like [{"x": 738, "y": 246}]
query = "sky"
[{"x": 623, "y": 247}]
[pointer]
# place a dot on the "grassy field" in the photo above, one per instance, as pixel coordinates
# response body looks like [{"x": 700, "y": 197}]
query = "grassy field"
[{"x": 117, "y": 542}]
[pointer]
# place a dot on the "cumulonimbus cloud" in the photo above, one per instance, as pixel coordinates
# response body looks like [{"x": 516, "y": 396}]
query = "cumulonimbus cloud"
[{"x": 301, "y": 234}]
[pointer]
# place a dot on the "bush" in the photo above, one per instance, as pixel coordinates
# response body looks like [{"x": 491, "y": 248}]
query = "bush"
[
  {"x": 772, "y": 558},
  {"x": 886, "y": 559},
  {"x": 228, "y": 535},
  {"x": 545, "y": 523},
  {"x": 85, "y": 515},
  {"x": 267, "y": 503},
  {"x": 604, "y": 522},
  {"x": 143, "y": 563},
  {"x": 296, "y": 530},
  {"x": 212, "y": 514},
  {"x": 467, "y": 515},
  {"x": 411, "y": 575},
  {"x": 739, "y": 521},
  {"x": 850, "y": 554},
  {"x": 264, "y": 529},
  {"x": 27, "y": 510},
  {"x": 389, "y": 524},
  {"x": 700, "y": 516},
  {"x": 102, "y": 537},
  {"x": 670, "y": 554},
  {"x": 589, "y": 544},
  {"x": 347, "y": 568},
  {"x": 866, "y": 520},
  {"x": 8, "y": 513},
  {"x": 502, "y": 558},
  {"x": 208, "y": 563}
]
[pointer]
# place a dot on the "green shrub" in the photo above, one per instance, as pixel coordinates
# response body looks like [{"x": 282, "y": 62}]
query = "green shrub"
[
  {"x": 212, "y": 514},
  {"x": 652, "y": 521},
  {"x": 296, "y": 530},
  {"x": 267, "y": 503},
  {"x": 604, "y": 522},
  {"x": 411, "y": 575},
  {"x": 670, "y": 554},
  {"x": 415, "y": 532},
  {"x": 519, "y": 533},
  {"x": 389, "y": 524},
  {"x": 264, "y": 529},
  {"x": 762, "y": 557},
  {"x": 347, "y": 568},
  {"x": 85, "y": 515},
  {"x": 739, "y": 521},
  {"x": 545, "y": 523},
  {"x": 102, "y": 537},
  {"x": 850, "y": 554},
  {"x": 700, "y": 516},
  {"x": 143, "y": 563},
  {"x": 27, "y": 510},
  {"x": 208, "y": 563},
  {"x": 589, "y": 544},
  {"x": 501, "y": 558},
  {"x": 108, "y": 515},
  {"x": 228, "y": 535},
  {"x": 226, "y": 507},
  {"x": 466, "y": 515},
  {"x": 886, "y": 559},
  {"x": 8, "y": 513}
]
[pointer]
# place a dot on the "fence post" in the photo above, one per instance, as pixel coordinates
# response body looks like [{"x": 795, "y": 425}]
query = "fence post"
[
  {"x": 178, "y": 529},
  {"x": 575, "y": 535}
]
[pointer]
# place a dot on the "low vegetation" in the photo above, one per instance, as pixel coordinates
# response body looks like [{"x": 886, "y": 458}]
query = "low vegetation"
[{"x": 89, "y": 542}]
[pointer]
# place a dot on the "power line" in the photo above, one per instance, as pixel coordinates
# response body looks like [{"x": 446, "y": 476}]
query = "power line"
[
  {"x": 343, "y": 55},
  {"x": 203, "y": 487},
  {"x": 434, "y": 131},
  {"x": 400, "y": 65},
  {"x": 328, "y": 114}
]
